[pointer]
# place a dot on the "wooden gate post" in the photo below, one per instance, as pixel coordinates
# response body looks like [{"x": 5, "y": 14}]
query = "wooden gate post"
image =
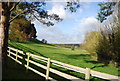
[
  {"x": 9, "y": 52},
  {"x": 28, "y": 57},
  {"x": 48, "y": 69},
  {"x": 87, "y": 74},
  {"x": 16, "y": 55}
]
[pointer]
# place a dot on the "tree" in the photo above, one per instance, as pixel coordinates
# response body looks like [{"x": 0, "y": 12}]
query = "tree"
[
  {"x": 32, "y": 9},
  {"x": 106, "y": 9},
  {"x": 72, "y": 6},
  {"x": 108, "y": 49},
  {"x": 44, "y": 41},
  {"x": 73, "y": 47},
  {"x": 91, "y": 42},
  {"x": 5, "y": 9},
  {"x": 33, "y": 32},
  {"x": 22, "y": 30},
  {"x": 12, "y": 10}
]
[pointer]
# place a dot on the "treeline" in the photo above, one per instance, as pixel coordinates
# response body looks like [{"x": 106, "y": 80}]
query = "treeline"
[
  {"x": 21, "y": 30},
  {"x": 105, "y": 44},
  {"x": 68, "y": 45}
]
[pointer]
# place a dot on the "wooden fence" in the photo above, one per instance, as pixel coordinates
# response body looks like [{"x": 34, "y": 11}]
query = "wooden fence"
[{"x": 88, "y": 72}]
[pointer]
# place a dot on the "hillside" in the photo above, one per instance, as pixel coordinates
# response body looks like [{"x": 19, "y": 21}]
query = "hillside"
[{"x": 75, "y": 57}]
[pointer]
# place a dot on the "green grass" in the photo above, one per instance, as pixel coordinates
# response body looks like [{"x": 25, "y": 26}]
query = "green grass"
[
  {"x": 17, "y": 72},
  {"x": 80, "y": 58}
]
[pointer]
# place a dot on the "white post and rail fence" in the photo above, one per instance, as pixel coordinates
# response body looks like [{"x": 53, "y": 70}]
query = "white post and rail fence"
[{"x": 87, "y": 71}]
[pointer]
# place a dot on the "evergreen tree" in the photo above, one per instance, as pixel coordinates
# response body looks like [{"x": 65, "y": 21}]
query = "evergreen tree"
[{"x": 106, "y": 9}]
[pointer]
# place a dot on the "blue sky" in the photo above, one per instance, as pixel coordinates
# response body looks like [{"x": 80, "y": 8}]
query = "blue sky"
[{"x": 74, "y": 26}]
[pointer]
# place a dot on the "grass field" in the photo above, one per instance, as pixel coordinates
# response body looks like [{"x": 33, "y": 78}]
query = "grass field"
[
  {"x": 16, "y": 72},
  {"x": 75, "y": 57}
]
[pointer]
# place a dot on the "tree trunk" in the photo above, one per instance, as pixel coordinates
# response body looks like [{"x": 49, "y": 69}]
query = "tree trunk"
[{"x": 5, "y": 17}]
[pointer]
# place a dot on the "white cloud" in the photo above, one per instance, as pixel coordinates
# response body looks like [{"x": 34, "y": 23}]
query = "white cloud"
[
  {"x": 87, "y": 21},
  {"x": 55, "y": 34},
  {"x": 90, "y": 24},
  {"x": 58, "y": 8},
  {"x": 86, "y": 25}
]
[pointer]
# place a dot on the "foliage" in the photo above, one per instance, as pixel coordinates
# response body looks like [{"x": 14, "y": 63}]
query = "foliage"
[
  {"x": 22, "y": 30},
  {"x": 109, "y": 46},
  {"x": 35, "y": 10},
  {"x": 104, "y": 45},
  {"x": 106, "y": 9},
  {"x": 72, "y": 6},
  {"x": 73, "y": 47},
  {"x": 91, "y": 42},
  {"x": 44, "y": 41}
]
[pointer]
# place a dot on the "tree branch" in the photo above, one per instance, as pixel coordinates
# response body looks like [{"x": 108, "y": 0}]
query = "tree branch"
[
  {"x": 18, "y": 15},
  {"x": 15, "y": 6},
  {"x": 37, "y": 18}
]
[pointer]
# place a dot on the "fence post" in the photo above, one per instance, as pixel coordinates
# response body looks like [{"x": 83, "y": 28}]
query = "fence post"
[
  {"x": 16, "y": 55},
  {"x": 9, "y": 51},
  {"x": 48, "y": 69},
  {"x": 87, "y": 74},
  {"x": 28, "y": 57}
]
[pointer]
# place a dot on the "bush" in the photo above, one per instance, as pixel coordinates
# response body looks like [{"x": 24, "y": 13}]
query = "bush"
[
  {"x": 108, "y": 48},
  {"x": 91, "y": 42},
  {"x": 104, "y": 45}
]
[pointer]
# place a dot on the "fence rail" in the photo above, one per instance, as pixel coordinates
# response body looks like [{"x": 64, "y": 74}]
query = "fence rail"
[{"x": 88, "y": 72}]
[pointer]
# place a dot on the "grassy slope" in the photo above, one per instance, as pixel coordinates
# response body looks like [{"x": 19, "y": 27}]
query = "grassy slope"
[
  {"x": 77, "y": 57},
  {"x": 17, "y": 72}
]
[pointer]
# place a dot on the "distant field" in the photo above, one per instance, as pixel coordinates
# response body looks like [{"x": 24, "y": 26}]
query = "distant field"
[{"x": 75, "y": 57}]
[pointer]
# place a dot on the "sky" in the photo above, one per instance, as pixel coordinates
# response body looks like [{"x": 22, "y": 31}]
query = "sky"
[{"x": 73, "y": 28}]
